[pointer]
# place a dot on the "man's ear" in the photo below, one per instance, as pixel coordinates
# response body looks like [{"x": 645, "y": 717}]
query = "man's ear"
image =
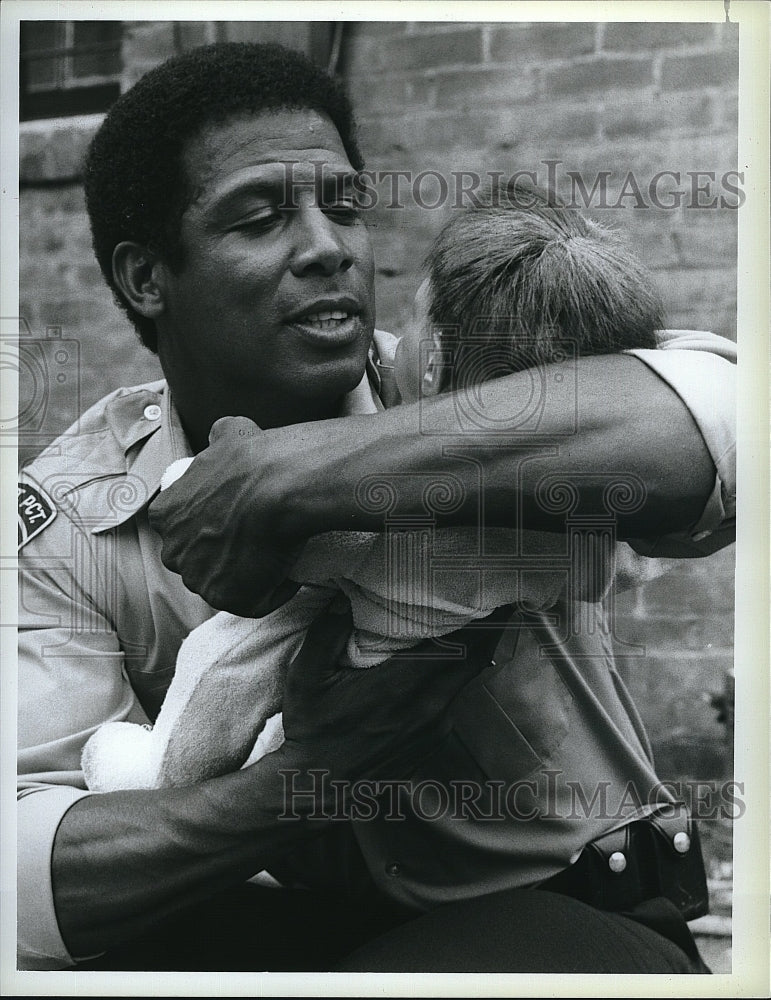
[{"x": 139, "y": 275}]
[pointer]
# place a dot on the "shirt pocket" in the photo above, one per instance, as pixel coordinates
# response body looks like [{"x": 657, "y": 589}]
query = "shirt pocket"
[{"x": 514, "y": 718}]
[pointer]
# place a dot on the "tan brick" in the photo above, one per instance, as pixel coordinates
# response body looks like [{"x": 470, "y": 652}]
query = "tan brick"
[
  {"x": 424, "y": 140},
  {"x": 436, "y": 27},
  {"x": 53, "y": 152},
  {"x": 672, "y": 239},
  {"x": 533, "y": 123},
  {"x": 689, "y": 632},
  {"x": 718, "y": 317},
  {"x": 675, "y": 693},
  {"x": 72, "y": 314},
  {"x": 382, "y": 95},
  {"x": 630, "y": 36},
  {"x": 424, "y": 51},
  {"x": 600, "y": 75},
  {"x": 481, "y": 88},
  {"x": 685, "y": 113},
  {"x": 708, "y": 69},
  {"x": 191, "y": 34},
  {"x": 360, "y": 57},
  {"x": 293, "y": 34},
  {"x": 539, "y": 42},
  {"x": 148, "y": 41},
  {"x": 728, "y": 35},
  {"x": 727, "y": 106},
  {"x": 648, "y": 156},
  {"x": 686, "y": 285},
  {"x": 708, "y": 583},
  {"x": 375, "y": 29}
]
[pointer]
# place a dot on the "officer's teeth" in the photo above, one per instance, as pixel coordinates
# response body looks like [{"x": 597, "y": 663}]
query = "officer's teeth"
[{"x": 325, "y": 317}]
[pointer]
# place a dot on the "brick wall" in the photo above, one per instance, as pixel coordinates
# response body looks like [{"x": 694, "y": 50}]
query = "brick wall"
[
  {"x": 481, "y": 97},
  {"x": 61, "y": 286},
  {"x": 597, "y": 97}
]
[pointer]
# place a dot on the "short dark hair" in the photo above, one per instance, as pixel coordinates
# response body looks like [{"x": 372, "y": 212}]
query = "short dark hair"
[
  {"x": 537, "y": 278},
  {"x": 134, "y": 178}
]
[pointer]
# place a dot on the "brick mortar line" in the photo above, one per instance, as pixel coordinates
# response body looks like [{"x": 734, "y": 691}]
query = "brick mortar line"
[
  {"x": 583, "y": 58},
  {"x": 556, "y": 99},
  {"x": 666, "y": 131},
  {"x": 618, "y": 55},
  {"x": 599, "y": 37}
]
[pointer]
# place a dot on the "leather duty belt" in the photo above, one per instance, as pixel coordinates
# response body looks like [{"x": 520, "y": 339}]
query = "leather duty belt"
[{"x": 658, "y": 856}]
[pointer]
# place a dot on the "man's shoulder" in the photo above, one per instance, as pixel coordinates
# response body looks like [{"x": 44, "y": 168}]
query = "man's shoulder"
[
  {"x": 103, "y": 433},
  {"x": 75, "y": 474}
]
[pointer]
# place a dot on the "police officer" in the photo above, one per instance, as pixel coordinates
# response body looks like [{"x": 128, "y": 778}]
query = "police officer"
[{"x": 257, "y": 293}]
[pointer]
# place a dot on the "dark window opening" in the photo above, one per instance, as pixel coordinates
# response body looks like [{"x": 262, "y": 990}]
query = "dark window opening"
[{"x": 68, "y": 67}]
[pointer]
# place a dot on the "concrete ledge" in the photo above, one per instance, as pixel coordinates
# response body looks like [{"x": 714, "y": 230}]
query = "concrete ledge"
[{"x": 53, "y": 149}]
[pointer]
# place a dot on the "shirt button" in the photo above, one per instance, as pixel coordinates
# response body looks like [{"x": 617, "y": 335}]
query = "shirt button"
[
  {"x": 681, "y": 842},
  {"x": 393, "y": 868},
  {"x": 617, "y": 862},
  {"x": 152, "y": 412}
]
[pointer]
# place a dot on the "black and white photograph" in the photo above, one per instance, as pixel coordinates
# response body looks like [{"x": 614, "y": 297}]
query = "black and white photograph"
[{"x": 386, "y": 388}]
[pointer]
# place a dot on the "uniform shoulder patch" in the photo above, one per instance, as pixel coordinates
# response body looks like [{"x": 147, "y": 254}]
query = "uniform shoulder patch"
[{"x": 36, "y": 511}]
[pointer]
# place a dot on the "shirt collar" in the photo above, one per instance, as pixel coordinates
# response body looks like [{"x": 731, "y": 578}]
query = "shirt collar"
[{"x": 148, "y": 454}]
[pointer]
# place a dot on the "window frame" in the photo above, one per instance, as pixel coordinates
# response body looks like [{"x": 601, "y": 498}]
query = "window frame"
[{"x": 67, "y": 95}]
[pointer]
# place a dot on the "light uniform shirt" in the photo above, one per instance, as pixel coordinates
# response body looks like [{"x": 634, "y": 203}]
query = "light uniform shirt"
[{"x": 101, "y": 621}]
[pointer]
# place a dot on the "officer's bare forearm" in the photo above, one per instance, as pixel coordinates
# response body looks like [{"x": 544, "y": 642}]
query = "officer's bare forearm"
[
  {"x": 608, "y": 417},
  {"x": 123, "y": 860},
  {"x": 609, "y": 431}
]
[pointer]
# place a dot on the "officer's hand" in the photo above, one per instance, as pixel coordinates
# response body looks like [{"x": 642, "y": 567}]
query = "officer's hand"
[
  {"x": 216, "y": 524},
  {"x": 379, "y": 721}
]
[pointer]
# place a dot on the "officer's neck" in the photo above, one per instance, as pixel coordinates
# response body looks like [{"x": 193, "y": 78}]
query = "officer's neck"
[{"x": 199, "y": 411}]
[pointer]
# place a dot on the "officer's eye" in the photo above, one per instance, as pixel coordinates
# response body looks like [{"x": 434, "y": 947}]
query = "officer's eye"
[
  {"x": 261, "y": 219},
  {"x": 345, "y": 213}
]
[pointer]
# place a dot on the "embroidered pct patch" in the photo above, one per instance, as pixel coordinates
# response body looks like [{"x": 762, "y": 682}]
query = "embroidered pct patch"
[{"x": 36, "y": 511}]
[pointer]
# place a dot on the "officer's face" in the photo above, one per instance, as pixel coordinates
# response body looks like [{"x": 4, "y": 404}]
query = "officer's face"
[{"x": 274, "y": 298}]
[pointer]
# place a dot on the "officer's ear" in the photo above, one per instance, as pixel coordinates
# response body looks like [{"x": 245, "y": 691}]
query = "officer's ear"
[{"x": 139, "y": 275}]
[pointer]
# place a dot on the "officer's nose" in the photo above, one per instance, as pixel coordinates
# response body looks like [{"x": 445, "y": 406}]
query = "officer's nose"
[{"x": 321, "y": 247}]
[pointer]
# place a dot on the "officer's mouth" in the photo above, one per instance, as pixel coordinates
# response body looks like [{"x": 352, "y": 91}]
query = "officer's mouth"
[{"x": 329, "y": 323}]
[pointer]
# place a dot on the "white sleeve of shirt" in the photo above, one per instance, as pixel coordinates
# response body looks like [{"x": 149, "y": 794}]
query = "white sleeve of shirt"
[
  {"x": 40, "y": 945},
  {"x": 701, "y": 368}
]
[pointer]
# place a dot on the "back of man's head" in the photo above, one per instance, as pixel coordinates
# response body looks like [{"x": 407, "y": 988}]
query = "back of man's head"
[
  {"x": 539, "y": 281},
  {"x": 136, "y": 188}
]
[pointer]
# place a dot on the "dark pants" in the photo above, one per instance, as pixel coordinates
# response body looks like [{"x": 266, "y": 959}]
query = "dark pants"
[{"x": 522, "y": 930}]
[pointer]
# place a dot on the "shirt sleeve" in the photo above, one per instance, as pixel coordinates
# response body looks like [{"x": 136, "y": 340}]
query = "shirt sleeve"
[
  {"x": 71, "y": 680},
  {"x": 701, "y": 368}
]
